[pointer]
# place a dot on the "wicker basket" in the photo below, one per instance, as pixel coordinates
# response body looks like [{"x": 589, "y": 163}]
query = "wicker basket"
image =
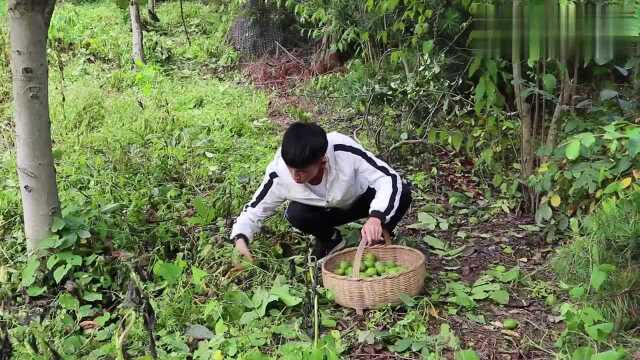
[{"x": 360, "y": 294}]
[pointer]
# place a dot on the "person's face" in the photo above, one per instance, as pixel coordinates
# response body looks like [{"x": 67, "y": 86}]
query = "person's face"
[{"x": 302, "y": 176}]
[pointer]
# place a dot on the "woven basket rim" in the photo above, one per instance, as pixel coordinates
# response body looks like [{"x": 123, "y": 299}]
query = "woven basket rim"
[{"x": 422, "y": 261}]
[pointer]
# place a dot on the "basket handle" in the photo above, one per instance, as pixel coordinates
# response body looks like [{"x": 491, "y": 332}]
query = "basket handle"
[{"x": 363, "y": 244}]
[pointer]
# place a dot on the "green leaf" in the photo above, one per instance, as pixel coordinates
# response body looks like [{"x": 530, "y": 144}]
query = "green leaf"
[
  {"x": 434, "y": 242},
  {"x": 401, "y": 345},
  {"x": 544, "y": 213},
  {"x": 407, "y": 300},
  {"x": 467, "y": 355},
  {"x": 572, "y": 151},
  {"x": 68, "y": 301},
  {"x": 610, "y": 355},
  {"x": 92, "y": 296},
  {"x": 60, "y": 272},
  {"x": 582, "y": 353},
  {"x": 29, "y": 272},
  {"x": 198, "y": 276},
  {"x": 599, "y": 275},
  {"x": 500, "y": 296},
  {"x": 475, "y": 65},
  {"x": 427, "y": 46},
  {"x": 463, "y": 299},
  {"x": 34, "y": 291},
  {"x": 613, "y": 187},
  {"x": 509, "y": 276},
  {"x": 587, "y": 139},
  {"x": 282, "y": 293},
  {"x": 169, "y": 272},
  {"x": 549, "y": 82},
  {"x": 57, "y": 224},
  {"x": 577, "y": 293},
  {"x": 600, "y": 332}
]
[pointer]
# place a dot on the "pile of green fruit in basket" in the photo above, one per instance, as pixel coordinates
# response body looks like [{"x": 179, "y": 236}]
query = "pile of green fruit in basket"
[{"x": 370, "y": 267}]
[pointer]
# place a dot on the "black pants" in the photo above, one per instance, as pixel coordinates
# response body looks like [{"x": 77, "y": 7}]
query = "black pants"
[{"x": 321, "y": 221}]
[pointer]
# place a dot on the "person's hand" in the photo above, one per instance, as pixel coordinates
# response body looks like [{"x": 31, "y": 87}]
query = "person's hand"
[
  {"x": 243, "y": 249},
  {"x": 372, "y": 231}
]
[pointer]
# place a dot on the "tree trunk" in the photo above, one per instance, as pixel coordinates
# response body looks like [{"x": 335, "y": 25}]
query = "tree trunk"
[
  {"x": 527, "y": 155},
  {"x": 28, "y": 27},
  {"x": 136, "y": 31},
  {"x": 152, "y": 6}
]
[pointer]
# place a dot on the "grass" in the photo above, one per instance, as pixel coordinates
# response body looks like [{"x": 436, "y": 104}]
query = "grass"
[{"x": 610, "y": 236}]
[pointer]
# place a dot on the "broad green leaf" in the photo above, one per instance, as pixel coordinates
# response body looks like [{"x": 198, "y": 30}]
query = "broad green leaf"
[
  {"x": 407, "y": 300},
  {"x": 198, "y": 276},
  {"x": 610, "y": 355},
  {"x": 500, "y": 296},
  {"x": 57, "y": 224},
  {"x": 169, "y": 272},
  {"x": 572, "y": 150},
  {"x": 577, "y": 293},
  {"x": 68, "y": 301},
  {"x": 283, "y": 294},
  {"x": 434, "y": 242},
  {"x": 582, "y": 353},
  {"x": 463, "y": 299},
  {"x": 599, "y": 275},
  {"x": 427, "y": 46},
  {"x": 34, "y": 291},
  {"x": 60, "y": 272},
  {"x": 401, "y": 345},
  {"x": 544, "y": 213},
  {"x": 587, "y": 139},
  {"x": 92, "y": 296},
  {"x": 613, "y": 187},
  {"x": 467, "y": 355},
  {"x": 509, "y": 276},
  {"x": 29, "y": 272},
  {"x": 600, "y": 332}
]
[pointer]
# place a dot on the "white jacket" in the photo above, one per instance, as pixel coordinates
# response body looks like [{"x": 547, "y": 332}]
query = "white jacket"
[{"x": 351, "y": 170}]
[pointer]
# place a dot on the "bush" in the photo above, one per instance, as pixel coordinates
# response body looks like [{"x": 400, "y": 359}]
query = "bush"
[{"x": 608, "y": 246}]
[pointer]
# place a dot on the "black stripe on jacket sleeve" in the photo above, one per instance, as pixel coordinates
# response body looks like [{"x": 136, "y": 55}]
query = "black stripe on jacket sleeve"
[
  {"x": 383, "y": 169},
  {"x": 265, "y": 190}
]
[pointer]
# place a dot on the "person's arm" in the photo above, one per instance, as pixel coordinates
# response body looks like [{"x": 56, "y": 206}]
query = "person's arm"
[
  {"x": 263, "y": 204},
  {"x": 388, "y": 187}
]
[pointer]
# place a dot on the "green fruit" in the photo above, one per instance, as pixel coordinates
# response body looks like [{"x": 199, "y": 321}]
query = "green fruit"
[
  {"x": 369, "y": 263},
  {"x": 510, "y": 324},
  {"x": 389, "y": 264},
  {"x": 343, "y": 264},
  {"x": 393, "y": 270},
  {"x": 380, "y": 268},
  {"x": 348, "y": 271},
  {"x": 370, "y": 257},
  {"x": 340, "y": 271},
  {"x": 371, "y": 272}
]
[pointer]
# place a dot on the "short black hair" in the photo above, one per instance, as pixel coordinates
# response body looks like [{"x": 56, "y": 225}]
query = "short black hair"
[{"x": 303, "y": 144}]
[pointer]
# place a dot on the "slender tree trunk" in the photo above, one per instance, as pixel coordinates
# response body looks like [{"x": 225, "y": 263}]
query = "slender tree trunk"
[
  {"x": 527, "y": 155},
  {"x": 28, "y": 27},
  {"x": 136, "y": 31},
  {"x": 152, "y": 6}
]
